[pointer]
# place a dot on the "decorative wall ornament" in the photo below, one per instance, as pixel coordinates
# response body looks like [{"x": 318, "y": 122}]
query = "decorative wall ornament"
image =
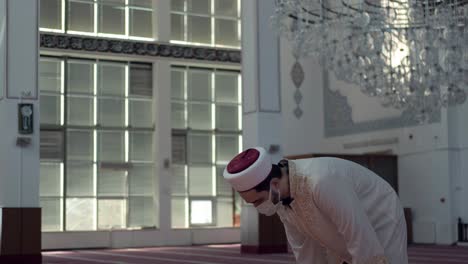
[
  {"x": 297, "y": 76},
  {"x": 85, "y": 43},
  {"x": 339, "y": 122}
]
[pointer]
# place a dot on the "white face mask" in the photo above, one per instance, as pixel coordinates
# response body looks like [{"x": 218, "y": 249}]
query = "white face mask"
[{"x": 268, "y": 208}]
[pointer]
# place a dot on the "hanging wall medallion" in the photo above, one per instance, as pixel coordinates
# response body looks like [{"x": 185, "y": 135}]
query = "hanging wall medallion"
[{"x": 297, "y": 76}]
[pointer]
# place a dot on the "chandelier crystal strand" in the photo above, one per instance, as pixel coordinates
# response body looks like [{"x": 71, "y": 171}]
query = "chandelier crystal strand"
[{"x": 411, "y": 54}]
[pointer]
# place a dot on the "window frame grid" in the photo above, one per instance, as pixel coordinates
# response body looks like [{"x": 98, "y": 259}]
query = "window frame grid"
[
  {"x": 213, "y": 132},
  {"x": 213, "y": 17},
  {"x": 64, "y": 17},
  {"x": 61, "y": 93},
  {"x": 94, "y": 129}
]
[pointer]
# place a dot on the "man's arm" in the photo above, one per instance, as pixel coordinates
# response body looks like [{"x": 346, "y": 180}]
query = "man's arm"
[
  {"x": 336, "y": 198},
  {"x": 305, "y": 249}
]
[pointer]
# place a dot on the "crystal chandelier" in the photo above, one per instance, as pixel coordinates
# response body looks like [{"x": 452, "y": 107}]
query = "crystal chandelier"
[{"x": 412, "y": 54}]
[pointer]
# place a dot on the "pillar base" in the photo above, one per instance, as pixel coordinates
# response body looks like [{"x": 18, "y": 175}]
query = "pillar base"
[
  {"x": 21, "y": 259},
  {"x": 20, "y": 235}
]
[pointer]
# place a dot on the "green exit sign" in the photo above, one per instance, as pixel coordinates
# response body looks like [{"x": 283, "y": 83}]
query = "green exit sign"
[{"x": 25, "y": 118}]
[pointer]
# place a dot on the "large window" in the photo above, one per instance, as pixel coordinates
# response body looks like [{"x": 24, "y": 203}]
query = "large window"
[
  {"x": 97, "y": 135},
  {"x": 206, "y": 22},
  {"x": 206, "y": 122},
  {"x": 107, "y": 18},
  {"x": 97, "y": 118}
]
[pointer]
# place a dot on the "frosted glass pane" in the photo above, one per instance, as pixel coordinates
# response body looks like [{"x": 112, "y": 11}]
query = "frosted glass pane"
[
  {"x": 80, "y": 77},
  {"x": 201, "y": 181},
  {"x": 201, "y": 213},
  {"x": 141, "y": 3},
  {"x": 227, "y": 32},
  {"x": 199, "y": 29},
  {"x": 200, "y": 149},
  {"x": 111, "y": 112},
  {"x": 225, "y": 212},
  {"x": 227, "y": 117},
  {"x": 50, "y": 109},
  {"x": 179, "y": 212},
  {"x": 112, "y": 17},
  {"x": 200, "y": 116},
  {"x": 141, "y": 113},
  {"x": 112, "y": 183},
  {"x": 199, "y": 6},
  {"x": 51, "y": 145},
  {"x": 177, "y": 5},
  {"x": 178, "y": 115},
  {"x": 142, "y": 212},
  {"x": 223, "y": 188},
  {"x": 141, "y": 79},
  {"x": 80, "y": 111},
  {"x": 51, "y": 14},
  {"x": 226, "y": 87},
  {"x": 227, "y": 147},
  {"x": 80, "y": 16},
  {"x": 179, "y": 149},
  {"x": 141, "y": 23},
  {"x": 141, "y": 146},
  {"x": 80, "y": 214},
  {"x": 177, "y": 27},
  {"x": 178, "y": 180},
  {"x": 226, "y": 8},
  {"x": 51, "y": 214},
  {"x": 111, "y": 79},
  {"x": 79, "y": 180},
  {"x": 199, "y": 85},
  {"x": 111, "y": 146},
  {"x": 50, "y": 182},
  {"x": 112, "y": 214},
  {"x": 141, "y": 180},
  {"x": 49, "y": 75},
  {"x": 80, "y": 145},
  {"x": 177, "y": 82}
]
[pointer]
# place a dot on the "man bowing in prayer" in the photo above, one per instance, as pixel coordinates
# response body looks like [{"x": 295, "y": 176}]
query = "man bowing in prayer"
[{"x": 334, "y": 211}]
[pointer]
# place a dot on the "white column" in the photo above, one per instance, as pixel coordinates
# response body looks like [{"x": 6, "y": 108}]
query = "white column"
[
  {"x": 19, "y": 164},
  {"x": 261, "y": 94},
  {"x": 162, "y": 18},
  {"x": 19, "y": 167},
  {"x": 163, "y": 143},
  {"x": 162, "y": 84}
]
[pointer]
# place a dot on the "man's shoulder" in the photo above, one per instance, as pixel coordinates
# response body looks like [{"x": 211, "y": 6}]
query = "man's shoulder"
[
  {"x": 313, "y": 166},
  {"x": 309, "y": 172}
]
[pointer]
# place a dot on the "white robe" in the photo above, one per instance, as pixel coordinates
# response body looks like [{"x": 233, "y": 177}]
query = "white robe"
[{"x": 342, "y": 212}]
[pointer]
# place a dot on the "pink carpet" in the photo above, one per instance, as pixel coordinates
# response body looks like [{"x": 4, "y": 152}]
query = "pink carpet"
[{"x": 227, "y": 254}]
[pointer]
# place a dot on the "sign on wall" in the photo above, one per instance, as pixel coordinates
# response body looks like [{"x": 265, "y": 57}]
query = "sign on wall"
[{"x": 3, "y": 43}]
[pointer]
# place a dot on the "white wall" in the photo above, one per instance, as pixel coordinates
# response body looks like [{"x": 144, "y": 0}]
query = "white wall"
[
  {"x": 139, "y": 238},
  {"x": 422, "y": 186},
  {"x": 464, "y": 184},
  {"x": 19, "y": 167},
  {"x": 458, "y": 144},
  {"x": 432, "y": 165}
]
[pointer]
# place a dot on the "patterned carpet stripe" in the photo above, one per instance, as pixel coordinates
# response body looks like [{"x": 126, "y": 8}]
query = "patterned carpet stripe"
[{"x": 227, "y": 254}]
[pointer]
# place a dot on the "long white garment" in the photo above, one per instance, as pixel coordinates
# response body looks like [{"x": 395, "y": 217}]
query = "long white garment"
[{"x": 343, "y": 212}]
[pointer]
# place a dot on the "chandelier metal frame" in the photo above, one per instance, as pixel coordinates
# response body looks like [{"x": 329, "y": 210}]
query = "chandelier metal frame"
[{"x": 412, "y": 54}]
